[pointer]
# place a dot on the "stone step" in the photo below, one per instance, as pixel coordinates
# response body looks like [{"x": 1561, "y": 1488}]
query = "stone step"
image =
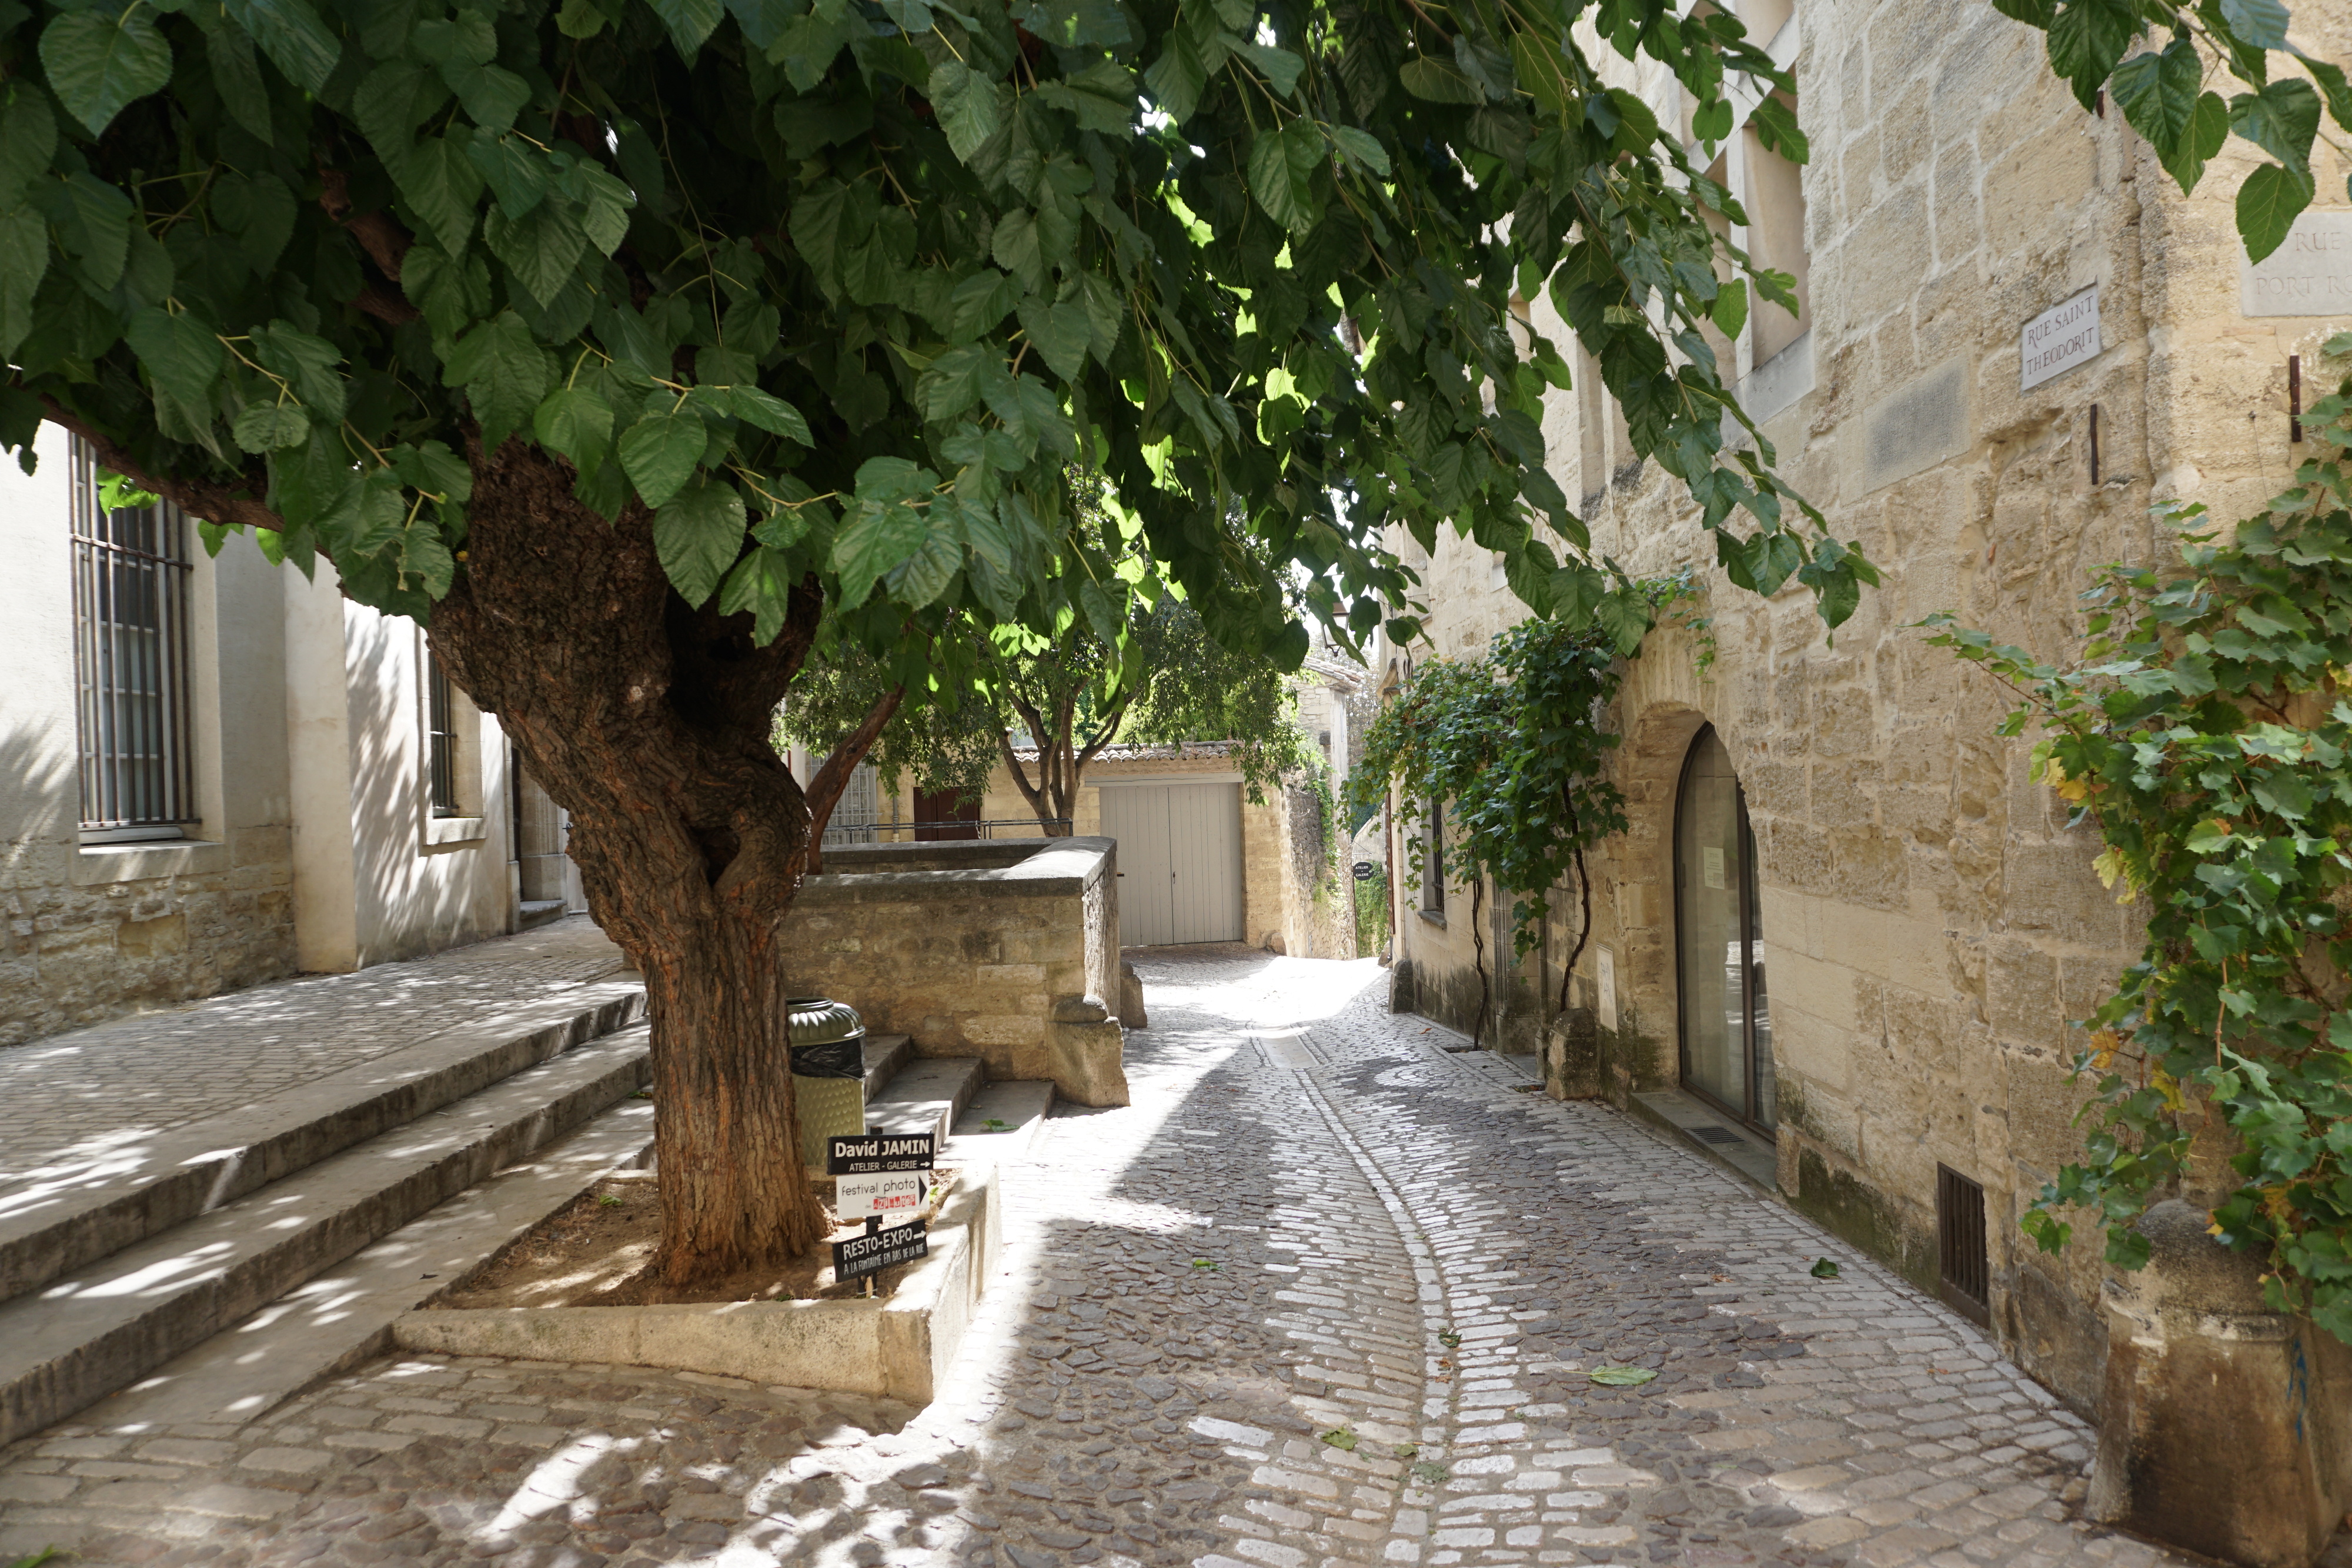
[
  {"x": 927, "y": 1096},
  {"x": 86, "y": 1335},
  {"x": 886, "y": 1056},
  {"x": 1019, "y": 1107},
  {"x": 81, "y": 1209},
  {"x": 341, "y": 1318},
  {"x": 533, "y": 912}
]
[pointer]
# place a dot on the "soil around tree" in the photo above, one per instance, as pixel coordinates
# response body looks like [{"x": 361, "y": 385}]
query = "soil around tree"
[{"x": 598, "y": 1249}]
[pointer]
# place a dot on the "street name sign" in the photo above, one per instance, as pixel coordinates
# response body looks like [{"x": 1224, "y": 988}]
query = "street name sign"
[{"x": 2061, "y": 337}]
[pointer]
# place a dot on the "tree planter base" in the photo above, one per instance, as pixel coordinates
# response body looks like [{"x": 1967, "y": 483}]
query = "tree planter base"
[{"x": 896, "y": 1347}]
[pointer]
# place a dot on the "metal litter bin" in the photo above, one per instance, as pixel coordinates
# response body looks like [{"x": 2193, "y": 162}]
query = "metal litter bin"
[{"x": 828, "y": 1051}]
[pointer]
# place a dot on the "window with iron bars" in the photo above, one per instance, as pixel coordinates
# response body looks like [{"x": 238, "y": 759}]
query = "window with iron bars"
[
  {"x": 130, "y": 588},
  {"x": 441, "y": 738}
]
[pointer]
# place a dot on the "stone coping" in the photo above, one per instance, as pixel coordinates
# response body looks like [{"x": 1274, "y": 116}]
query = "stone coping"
[
  {"x": 896, "y": 1347},
  {"x": 1009, "y": 867}
]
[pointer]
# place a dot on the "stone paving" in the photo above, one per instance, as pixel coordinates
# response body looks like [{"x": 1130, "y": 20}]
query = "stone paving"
[
  {"x": 1325, "y": 1296},
  {"x": 77, "y": 1098}
]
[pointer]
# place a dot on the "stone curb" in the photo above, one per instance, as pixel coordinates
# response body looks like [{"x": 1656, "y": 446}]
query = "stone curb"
[{"x": 897, "y": 1348}]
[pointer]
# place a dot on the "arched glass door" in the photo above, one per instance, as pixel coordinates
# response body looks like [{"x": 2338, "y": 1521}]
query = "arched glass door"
[{"x": 1726, "y": 1033}]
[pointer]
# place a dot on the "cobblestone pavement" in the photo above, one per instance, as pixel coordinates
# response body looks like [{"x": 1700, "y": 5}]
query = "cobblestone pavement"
[
  {"x": 1325, "y": 1295},
  {"x": 76, "y": 1099}
]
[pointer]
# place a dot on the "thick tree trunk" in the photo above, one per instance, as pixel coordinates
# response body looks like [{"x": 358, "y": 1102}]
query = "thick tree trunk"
[{"x": 650, "y": 722}]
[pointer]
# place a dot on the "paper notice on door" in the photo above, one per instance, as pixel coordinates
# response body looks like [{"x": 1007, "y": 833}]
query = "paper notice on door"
[{"x": 1710, "y": 867}]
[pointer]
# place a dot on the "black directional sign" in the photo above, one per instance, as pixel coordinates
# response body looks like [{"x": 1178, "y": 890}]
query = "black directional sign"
[
  {"x": 869, "y": 1152},
  {"x": 1364, "y": 869},
  {"x": 879, "y": 1249}
]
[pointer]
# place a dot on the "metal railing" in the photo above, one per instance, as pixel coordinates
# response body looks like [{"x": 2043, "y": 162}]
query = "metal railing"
[
  {"x": 940, "y": 832},
  {"x": 131, "y": 577}
]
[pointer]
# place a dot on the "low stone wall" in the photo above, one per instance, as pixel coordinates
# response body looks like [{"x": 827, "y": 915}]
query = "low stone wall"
[{"x": 1006, "y": 950}]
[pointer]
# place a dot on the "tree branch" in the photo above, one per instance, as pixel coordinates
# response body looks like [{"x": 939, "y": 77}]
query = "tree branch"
[
  {"x": 824, "y": 793},
  {"x": 381, "y": 236},
  {"x": 1020, "y": 778},
  {"x": 203, "y": 498}
]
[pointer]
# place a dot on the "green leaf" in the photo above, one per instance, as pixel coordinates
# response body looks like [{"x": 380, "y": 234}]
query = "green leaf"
[
  {"x": 260, "y": 211},
  {"x": 1439, "y": 80},
  {"x": 271, "y": 428},
  {"x": 1178, "y": 78},
  {"x": 504, "y": 372},
  {"x": 518, "y": 172},
  {"x": 2086, "y": 39},
  {"x": 28, "y": 139},
  {"x": 291, "y": 33},
  {"x": 1281, "y": 168},
  {"x": 1060, "y": 333},
  {"x": 576, "y": 421},
  {"x": 969, "y": 106},
  {"x": 698, "y": 536},
  {"x": 540, "y": 251},
  {"x": 770, "y": 414},
  {"x": 2270, "y": 201},
  {"x": 980, "y": 302},
  {"x": 2260, "y": 23},
  {"x": 2281, "y": 120},
  {"x": 100, "y": 61},
  {"x": 881, "y": 528},
  {"x": 957, "y": 380},
  {"x": 2209, "y": 129},
  {"x": 1730, "y": 311},
  {"x": 1823, "y": 1268},
  {"x": 1620, "y": 1376},
  {"x": 310, "y": 365},
  {"x": 425, "y": 556},
  {"x": 237, "y": 74},
  {"x": 442, "y": 184},
  {"x": 24, "y": 259},
  {"x": 491, "y": 94},
  {"x": 1280, "y": 66},
  {"x": 1361, "y": 146},
  {"x": 660, "y": 450},
  {"x": 93, "y": 221},
  {"x": 2158, "y": 93},
  {"x": 181, "y": 353},
  {"x": 690, "y": 25}
]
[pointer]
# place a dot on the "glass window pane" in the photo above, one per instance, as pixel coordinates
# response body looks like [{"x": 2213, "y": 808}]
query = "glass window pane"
[{"x": 1709, "y": 868}]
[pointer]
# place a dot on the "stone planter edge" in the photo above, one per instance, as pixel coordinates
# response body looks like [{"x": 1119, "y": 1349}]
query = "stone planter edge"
[{"x": 898, "y": 1347}]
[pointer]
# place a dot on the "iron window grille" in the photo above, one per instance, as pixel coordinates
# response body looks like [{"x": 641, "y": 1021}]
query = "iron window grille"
[
  {"x": 130, "y": 588},
  {"x": 1963, "y": 1264},
  {"x": 441, "y": 738}
]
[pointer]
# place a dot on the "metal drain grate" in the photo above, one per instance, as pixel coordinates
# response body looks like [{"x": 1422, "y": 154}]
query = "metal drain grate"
[{"x": 1713, "y": 1134}]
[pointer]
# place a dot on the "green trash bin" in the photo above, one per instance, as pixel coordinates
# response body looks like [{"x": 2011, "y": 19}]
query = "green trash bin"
[{"x": 828, "y": 1051}]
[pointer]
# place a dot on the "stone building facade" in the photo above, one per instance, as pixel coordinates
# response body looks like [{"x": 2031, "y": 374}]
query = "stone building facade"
[
  {"x": 1928, "y": 920},
  {"x": 215, "y": 772}
]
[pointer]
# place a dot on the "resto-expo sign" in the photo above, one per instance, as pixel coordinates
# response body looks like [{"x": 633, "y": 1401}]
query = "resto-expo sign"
[{"x": 2059, "y": 338}]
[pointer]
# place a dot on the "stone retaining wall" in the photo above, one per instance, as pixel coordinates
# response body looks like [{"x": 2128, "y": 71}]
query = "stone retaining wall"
[{"x": 1006, "y": 950}]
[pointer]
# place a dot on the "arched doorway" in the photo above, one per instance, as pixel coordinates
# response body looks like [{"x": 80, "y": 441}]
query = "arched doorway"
[{"x": 1726, "y": 1033}]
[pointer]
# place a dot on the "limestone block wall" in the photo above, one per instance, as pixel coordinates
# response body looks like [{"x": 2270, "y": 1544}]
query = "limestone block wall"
[
  {"x": 1929, "y": 919},
  {"x": 89, "y": 931},
  {"x": 966, "y": 947}
]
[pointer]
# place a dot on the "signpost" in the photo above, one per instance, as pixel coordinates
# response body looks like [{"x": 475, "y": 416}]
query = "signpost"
[
  {"x": 877, "y": 1175},
  {"x": 1364, "y": 869}
]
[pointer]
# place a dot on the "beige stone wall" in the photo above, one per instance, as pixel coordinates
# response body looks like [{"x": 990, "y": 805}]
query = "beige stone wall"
[
  {"x": 87, "y": 932},
  {"x": 1930, "y": 922},
  {"x": 313, "y": 847},
  {"x": 967, "y": 948}
]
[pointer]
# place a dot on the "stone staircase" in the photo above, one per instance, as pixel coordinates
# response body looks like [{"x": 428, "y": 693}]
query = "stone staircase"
[{"x": 226, "y": 1265}]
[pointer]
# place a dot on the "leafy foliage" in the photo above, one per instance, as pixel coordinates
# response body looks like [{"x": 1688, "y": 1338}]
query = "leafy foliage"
[
  {"x": 974, "y": 698},
  {"x": 2209, "y": 736},
  {"x": 1512, "y": 745},
  {"x": 2161, "y": 89},
  {"x": 837, "y": 292}
]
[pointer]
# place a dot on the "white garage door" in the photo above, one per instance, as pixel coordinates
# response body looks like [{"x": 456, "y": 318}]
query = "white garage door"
[{"x": 1180, "y": 860}]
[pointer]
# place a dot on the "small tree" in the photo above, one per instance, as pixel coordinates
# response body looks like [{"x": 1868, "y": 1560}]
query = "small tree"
[{"x": 1067, "y": 698}]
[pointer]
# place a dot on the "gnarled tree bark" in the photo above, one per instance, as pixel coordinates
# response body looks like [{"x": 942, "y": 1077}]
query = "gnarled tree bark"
[{"x": 650, "y": 722}]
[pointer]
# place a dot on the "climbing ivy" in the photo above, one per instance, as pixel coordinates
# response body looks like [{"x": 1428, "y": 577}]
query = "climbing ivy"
[
  {"x": 1514, "y": 744},
  {"x": 2207, "y": 733}
]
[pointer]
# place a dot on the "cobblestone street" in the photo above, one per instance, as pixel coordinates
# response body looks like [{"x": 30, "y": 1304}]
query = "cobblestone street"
[{"x": 1324, "y": 1295}]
